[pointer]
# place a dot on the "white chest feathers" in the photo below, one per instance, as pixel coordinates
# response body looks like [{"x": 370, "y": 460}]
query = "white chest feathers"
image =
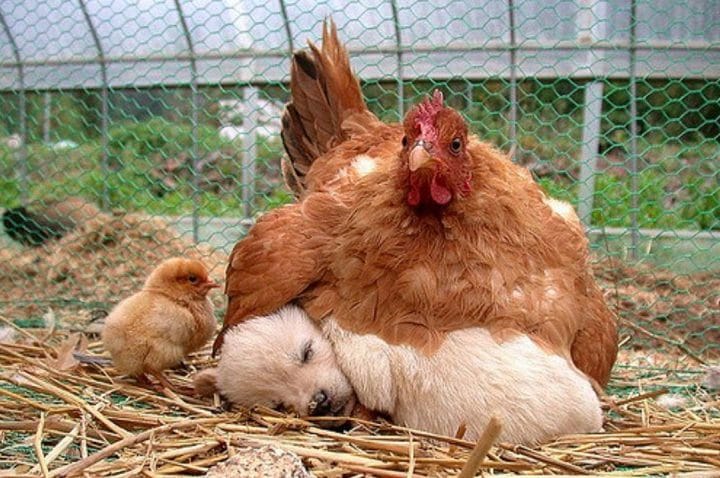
[{"x": 536, "y": 395}]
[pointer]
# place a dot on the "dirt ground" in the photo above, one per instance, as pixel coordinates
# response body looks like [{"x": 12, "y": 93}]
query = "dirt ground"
[{"x": 661, "y": 309}]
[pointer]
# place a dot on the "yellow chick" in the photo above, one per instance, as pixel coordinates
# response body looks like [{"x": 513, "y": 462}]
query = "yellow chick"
[{"x": 171, "y": 317}]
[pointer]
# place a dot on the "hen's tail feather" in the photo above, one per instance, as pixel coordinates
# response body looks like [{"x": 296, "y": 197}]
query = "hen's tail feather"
[{"x": 325, "y": 91}]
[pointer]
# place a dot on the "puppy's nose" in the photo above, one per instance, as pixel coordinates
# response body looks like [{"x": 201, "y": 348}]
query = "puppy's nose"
[{"x": 321, "y": 404}]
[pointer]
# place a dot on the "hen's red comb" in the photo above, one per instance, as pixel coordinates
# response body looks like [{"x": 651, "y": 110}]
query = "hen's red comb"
[{"x": 427, "y": 110}]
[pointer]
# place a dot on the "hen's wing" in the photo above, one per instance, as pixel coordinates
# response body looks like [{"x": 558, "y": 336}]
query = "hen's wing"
[
  {"x": 325, "y": 93},
  {"x": 279, "y": 258},
  {"x": 595, "y": 347}
]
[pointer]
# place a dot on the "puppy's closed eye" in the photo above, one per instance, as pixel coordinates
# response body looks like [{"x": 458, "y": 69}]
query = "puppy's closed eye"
[{"x": 307, "y": 352}]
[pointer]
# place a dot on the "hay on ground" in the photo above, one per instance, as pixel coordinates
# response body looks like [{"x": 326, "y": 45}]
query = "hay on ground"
[{"x": 65, "y": 417}]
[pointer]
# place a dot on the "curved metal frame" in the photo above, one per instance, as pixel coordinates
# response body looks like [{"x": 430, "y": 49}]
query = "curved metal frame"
[
  {"x": 513, "y": 78},
  {"x": 15, "y": 49},
  {"x": 288, "y": 32},
  {"x": 634, "y": 232},
  {"x": 194, "y": 153},
  {"x": 105, "y": 113},
  {"x": 533, "y": 46},
  {"x": 22, "y": 101},
  {"x": 399, "y": 59}
]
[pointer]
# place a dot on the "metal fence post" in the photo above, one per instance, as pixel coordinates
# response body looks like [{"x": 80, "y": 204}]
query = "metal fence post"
[
  {"x": 634, "y": 232},
  {"x": 21, "y": 154},
  {"x": 513, "y": 79},
  {"x": 250, "y": 102},
  {"x": 399, "y": 59},
  {"x": 105, "y": 111},
  {"x": 47, "y": 110},
  {"x": 591, "y": 32},
  {"x": 286, "y": 22},
  {"x": 194, "y": 153}
]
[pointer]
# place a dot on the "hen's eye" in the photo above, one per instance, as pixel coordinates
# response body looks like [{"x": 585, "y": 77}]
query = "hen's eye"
[
  {"x": 307, "y": 353},
  {"x": 193, "y": 278},
  {"x": 456, "y": 145},
  {"x": 404, "y": 141}
]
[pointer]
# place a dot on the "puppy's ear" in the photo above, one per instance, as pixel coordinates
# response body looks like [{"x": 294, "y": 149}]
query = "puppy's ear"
[{"x": 205, "y": 382}]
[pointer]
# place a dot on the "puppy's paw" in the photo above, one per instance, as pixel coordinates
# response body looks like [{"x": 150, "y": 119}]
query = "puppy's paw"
[{"x": 205, "y": 382}]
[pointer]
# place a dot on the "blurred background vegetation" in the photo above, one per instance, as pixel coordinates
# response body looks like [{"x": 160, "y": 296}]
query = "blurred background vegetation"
[{"x": 149, "y": 146}]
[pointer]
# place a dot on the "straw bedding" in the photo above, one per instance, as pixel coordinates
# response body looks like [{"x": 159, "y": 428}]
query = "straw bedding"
[{"x": 62, "y": 418}]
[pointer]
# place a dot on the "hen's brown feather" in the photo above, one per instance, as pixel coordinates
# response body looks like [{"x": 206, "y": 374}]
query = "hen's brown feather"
[
  {"x": 325, "y": 93},
  {"x": 280, "y": 258}
]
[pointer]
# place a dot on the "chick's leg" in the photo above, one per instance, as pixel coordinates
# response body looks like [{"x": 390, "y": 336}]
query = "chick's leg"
[
  {"x": 162, "y": 356},
  {"x": 144, "y": 381},
  {"x": 166, "y": 384}
]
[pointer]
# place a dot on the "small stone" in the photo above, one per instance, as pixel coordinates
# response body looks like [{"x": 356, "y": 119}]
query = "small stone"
[
  {"x": 253, "y": 460},
  {"x": 712, "y": 378},
  {"x": 672, "y": 400},
  {"x": 7, "y": 335}
]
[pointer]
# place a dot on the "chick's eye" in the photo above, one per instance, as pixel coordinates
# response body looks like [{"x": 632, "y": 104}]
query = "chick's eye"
[
  {"x": 307, "y": 353},
  {"x": 404, "y": 141},
  {"x": 193, "y": 279},
  {"x": 456, "y": 145}
]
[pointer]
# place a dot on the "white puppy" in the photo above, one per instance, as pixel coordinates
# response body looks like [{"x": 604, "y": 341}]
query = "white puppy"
[
  {"x": 536, "y": 395},
  {"x": 280, "y": 361}
]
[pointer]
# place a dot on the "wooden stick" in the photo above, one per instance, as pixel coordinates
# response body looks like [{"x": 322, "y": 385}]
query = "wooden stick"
[
  {"x": 642, "y": 396},
  {"x": 459, "y": 434},
  {"x": 491, "y": 433},
  {"x": 674, "y": 342},
  {"x": 70, "y": 398},
  {"x": 344, "y": 458},
  {"x": 411, "y": 459},
  {"x": 550, "y": 461},
  {"x": 376, "y": 443},
  {"x": 83, "y": 436},
  {"x": 54, "y": 424},
  {"x": 18, "y": 329},
  {"x": 37, "y": 442},
  {"x": 81, "y": 465},
  {"x": 60, "y": 448},
  {"x": 370, "y": 471},
  {"x": 20, "y": 398}
]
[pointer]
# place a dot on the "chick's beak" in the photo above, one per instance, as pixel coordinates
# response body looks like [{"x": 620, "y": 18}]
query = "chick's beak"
[
  {"x": 419, "y": 156},
  {"x": 210, "y": 285}
]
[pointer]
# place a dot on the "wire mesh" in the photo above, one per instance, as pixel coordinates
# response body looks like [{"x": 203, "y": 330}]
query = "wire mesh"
[{"x": 136, "y": 130}]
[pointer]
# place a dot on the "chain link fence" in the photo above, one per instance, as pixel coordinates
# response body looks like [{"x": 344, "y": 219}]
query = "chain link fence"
[{"x": 136, "y": 130}]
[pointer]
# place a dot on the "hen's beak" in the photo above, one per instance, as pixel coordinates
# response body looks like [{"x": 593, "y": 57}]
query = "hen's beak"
[{"x": 419, "y": 156}]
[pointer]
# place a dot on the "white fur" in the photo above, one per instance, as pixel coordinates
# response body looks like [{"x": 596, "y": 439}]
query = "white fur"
[
  {"x": 536, "y": 395},
  {"x": 261, "y": 364}
]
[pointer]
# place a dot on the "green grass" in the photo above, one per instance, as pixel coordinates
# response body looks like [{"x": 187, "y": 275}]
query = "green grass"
[
  {"x": 656, "y": 199},
  {"x": 30, "y": 323},
  {"x": 677, "y": 182},
  {"x": 135, "y": 150}
]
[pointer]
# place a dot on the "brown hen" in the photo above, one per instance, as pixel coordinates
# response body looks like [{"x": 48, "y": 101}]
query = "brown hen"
[{"x": 410, "y": 231}]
